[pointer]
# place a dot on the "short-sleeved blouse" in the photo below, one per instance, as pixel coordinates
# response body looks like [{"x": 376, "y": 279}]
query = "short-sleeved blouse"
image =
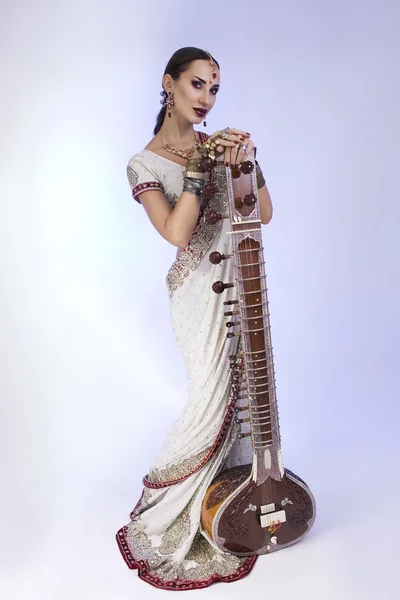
[{"x": 147, "y": 171}]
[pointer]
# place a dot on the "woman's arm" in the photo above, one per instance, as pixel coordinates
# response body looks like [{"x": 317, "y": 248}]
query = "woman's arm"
[
  {"x": 265, "y": 204},
  {"x": 177, "y": 224}
]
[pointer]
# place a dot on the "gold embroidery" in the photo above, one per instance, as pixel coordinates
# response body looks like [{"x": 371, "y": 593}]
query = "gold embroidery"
[
  {"x": 203, "y": 235},
  {"x": 179, "y": 470},
  {"x": 201, "y": 562},
  {"x": 133, "y": 176},
  {"x": 176, "y": 533}
]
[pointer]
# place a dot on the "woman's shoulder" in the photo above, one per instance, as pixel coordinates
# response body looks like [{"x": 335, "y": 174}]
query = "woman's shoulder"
[
  {"x": 139, "y": 158},
  {"x": 145, "y": 162}
]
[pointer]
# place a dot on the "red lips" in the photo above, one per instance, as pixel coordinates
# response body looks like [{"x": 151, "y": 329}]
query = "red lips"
[{"x": 200, "y": 111}]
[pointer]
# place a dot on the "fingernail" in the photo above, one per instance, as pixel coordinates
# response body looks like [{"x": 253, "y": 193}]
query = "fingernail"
[{"x": 227, "y": 164}]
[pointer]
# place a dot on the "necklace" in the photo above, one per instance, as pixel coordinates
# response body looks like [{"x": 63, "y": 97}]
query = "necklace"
[{"x": 178, "y": 151}]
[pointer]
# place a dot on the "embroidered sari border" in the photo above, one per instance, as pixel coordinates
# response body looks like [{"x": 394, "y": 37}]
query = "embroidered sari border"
[
  {"x": 213, "y": 449},
  {"x": 177, "y": 585}
]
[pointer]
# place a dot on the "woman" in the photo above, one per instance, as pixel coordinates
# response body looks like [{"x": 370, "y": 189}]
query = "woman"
[{"x": 165, "y": 539}]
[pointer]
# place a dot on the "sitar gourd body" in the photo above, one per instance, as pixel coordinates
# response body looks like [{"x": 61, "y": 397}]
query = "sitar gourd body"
[{"x": 260, "y": 507}]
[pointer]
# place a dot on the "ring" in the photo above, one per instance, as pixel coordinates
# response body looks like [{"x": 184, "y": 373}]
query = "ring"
[
  {"x": 244, "y": 147},
  {"x": 224, "y": 133}
]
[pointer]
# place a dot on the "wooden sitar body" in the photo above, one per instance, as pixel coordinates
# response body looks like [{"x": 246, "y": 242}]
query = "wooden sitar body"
[{"x": 232, "y": 511}]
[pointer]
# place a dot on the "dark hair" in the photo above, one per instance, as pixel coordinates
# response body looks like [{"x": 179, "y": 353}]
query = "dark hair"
[{"x": 178, "y": 64}]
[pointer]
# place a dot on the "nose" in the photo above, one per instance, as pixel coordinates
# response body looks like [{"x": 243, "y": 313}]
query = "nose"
[{"x": 205, "y": 97}]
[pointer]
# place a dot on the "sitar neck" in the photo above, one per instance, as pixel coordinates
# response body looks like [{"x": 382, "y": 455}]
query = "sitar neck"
[{"x": 253, "y": 322}]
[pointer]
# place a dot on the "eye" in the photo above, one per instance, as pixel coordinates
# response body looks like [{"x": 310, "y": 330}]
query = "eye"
[
  {"x": 215, "y": 91},
  {"x": 196, "y": 84}
]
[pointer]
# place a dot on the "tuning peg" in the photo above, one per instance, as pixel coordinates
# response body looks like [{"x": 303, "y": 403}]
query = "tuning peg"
[
  {"x": 216, "y": 257},
  {"x": 236, "y": 359},
  {"x": 230, "y": 302},
  {"x": 231, "y": 313},
  {"x": 249, "y": 200},
  {"x": 213, "y": 217},
  {"x": 241, "y": 374},
  {"x": 231, "y": 334},
  {"x": 232, "y": 324},
  {"x": 219, "y": 286}
]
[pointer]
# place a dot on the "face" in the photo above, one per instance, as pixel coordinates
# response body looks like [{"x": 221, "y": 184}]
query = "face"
[{"x": 195, "y": 92}]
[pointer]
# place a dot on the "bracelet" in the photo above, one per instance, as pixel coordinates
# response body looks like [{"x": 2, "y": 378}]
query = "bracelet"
[
  {"x": 194, "y": 165},
  {"x": 196, "y": 181},
  {"x": 193, "y": 185},
  {"x": 209, "y": 148},
  {"x": 188, "y": 187},
  {"x": 194, "y": 174}
]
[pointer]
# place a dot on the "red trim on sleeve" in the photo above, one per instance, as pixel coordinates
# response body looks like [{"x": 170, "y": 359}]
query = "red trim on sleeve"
[{"x": 146, "y": 187}]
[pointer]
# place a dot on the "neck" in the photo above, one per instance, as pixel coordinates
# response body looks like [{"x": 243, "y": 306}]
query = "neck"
[{"x": 178, "y": 131}]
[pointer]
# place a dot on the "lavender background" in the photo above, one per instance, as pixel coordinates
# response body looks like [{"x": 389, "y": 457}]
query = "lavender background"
[{"x": 90, "y": 375}]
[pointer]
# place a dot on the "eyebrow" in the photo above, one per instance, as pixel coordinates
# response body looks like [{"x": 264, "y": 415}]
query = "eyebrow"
[{"x": 205, "y": 83}]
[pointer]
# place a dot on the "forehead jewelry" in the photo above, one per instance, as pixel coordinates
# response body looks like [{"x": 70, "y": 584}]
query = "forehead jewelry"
[{"x": 213, "y": 66}]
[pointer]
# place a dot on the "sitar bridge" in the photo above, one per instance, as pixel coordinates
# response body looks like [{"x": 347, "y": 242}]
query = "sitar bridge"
[{"x": 270, "y": 517}]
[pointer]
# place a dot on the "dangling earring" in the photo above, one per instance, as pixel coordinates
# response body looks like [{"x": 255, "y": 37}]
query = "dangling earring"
[
  {"x": 205, "y": 123},
  {"x": 169, "y": 102}
]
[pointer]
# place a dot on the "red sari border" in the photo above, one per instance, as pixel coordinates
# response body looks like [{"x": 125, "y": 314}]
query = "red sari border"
[
  {"x": 218, "y": 441},
  {"x": 178, "y": 585}
]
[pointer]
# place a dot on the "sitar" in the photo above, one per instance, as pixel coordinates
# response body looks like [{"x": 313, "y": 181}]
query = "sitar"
[{"x": 260, "y": 507}]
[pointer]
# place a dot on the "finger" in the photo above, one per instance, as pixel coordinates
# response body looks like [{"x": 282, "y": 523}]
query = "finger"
[
  {"x": 234, "y": 154},
  {"x": 232, "y": 140},
  {"x": 240, "y": 156},
  {"x": 250, "y": 147},
  {"x": 227, "y": 156},
  {"x": 239, "y": 132},
  {"x": 244, "y": 151},
  {"x": 231, "y": 159},
  {"x": 228, "y": 143},
  {"x": 221, "y": 145}
]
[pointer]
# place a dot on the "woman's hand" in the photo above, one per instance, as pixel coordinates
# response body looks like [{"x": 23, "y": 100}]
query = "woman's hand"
[{"x": 236, "y": 144}]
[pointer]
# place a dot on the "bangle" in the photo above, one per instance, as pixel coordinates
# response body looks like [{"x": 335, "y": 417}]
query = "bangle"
[
  {"x": 188, "y": 187},
  {"x": 193, "y": 185},
  {"x": 260, "y": 177},
  {"x": 196, "y": 181},
  {"x": 194, "y": 175},
  {"x": 194, "y": 165}
]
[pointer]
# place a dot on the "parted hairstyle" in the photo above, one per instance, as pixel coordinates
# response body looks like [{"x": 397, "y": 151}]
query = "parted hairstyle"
[{"x": 178, "y": 64}]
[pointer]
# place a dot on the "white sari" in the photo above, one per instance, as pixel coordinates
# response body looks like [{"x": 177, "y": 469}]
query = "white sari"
[{"x": 165, "y": 540}]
